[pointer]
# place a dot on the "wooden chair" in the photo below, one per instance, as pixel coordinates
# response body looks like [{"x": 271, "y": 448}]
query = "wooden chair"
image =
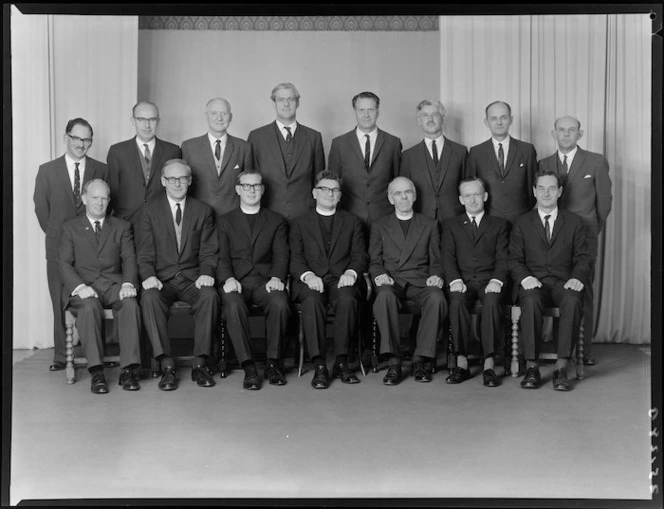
[{"x": 552, "y": 312}]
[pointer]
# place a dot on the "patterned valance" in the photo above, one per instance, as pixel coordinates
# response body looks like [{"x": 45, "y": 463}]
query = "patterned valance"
[{"x": 290, "y": 23}]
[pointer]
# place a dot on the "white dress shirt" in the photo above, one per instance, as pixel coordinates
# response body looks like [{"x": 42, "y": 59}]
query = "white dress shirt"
[{"x": 373, "y": 135}]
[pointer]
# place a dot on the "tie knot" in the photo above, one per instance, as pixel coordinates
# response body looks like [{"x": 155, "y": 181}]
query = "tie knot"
[
  {"x": 366, "y": 136},
  {"x": 76, "y": 164},
  {"x": 218, "y": 142},
  {"x": 546, "y": 218},
  {"x": 145, "y": 145}
]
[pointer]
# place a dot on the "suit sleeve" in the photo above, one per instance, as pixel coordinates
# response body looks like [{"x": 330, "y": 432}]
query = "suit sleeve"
[
  {"x": 451, "y": 270},
  {"x": 464, "y": 163},
  {"x": 603, "y": 193},
  {"x": 376, "y": 267},
  {"x": 334, "y": 163},
  {"x": 113, "y": 162},
  {"x": 530, "y": 175},
  {"x": 224, "y": 264},
  {"x": 517, "y": 255},
  {"x": 280, "y": 251},
  {"x": 435, "y": 267},
  {"x": 359, "y": 259},
  {"x": 209, "y": 248},
  {"x": 501, "y": 270},
  {"x": 298, "y": 262},
  {"x": 471, "y": 164},
  {"x": 66, "y": 258},
  {"x": 405, "y": 167},
  {"x": 396, "y": 159},
  {"x": 41, "y": 199},
  {"x": 581, "y": 257},
  {"x": 128, "y": 254},
  {"x": 146, "y": 255},
  {"x": 319, "y": 155},
  {"x": 248, "y": 159},
  {"x": 253, "y": 142}
]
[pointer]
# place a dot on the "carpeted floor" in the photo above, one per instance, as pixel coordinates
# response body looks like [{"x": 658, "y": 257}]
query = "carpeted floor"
[{"x": 360, "y": 441}]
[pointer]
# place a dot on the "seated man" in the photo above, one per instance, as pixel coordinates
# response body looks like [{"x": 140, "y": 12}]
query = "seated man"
[
  {"x": 97, "y": 264},
  {"x": 474, "y": 257},
  {"x": 548, "y": 258},
  {"x": 177, "y": 257},
  {"x": 405, "y": 265},
  {"x": 253, "y": 265},
  {"x": 328, "y": 258}
]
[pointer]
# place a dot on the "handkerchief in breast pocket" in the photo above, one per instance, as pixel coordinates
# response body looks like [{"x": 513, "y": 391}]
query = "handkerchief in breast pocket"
[{"x": 588, "y": 177}]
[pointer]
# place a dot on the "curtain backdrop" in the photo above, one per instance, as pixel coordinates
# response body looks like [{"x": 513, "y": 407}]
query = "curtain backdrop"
[
  {"x": 594, "y": 67},
  {"x": 62, "y": 67}
]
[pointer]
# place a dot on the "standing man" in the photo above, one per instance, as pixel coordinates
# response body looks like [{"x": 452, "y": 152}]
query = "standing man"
[
  {"x": 549, "y": 261},
  {"x": 57, "y": 199},
  {"x": 587, "y": 193},
  {"x": 506, "y": 165},
  {"x": 328, "y": 261},
  {"x": 177, "y": 259},
  {"x": 367, "y": 159},
  {"x": 252, "y": 269},
  {"x": 288, "y": 155},
  {"x": 474, "y": 254},
  {"x": 405, "y": 265},
  {"x": 436, "y": 165},
  {"x": 98, "y": 269},
  {"x": 216, "y": 159},
  {"x": 135, "y": 165}
]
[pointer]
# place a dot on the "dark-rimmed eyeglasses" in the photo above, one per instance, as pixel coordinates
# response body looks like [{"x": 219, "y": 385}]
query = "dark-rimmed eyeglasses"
[
  {"x": 251, "y": 187},
  {"x": 178, "y": 180},
  {"x": 76, "y": 139},
  {"x": 143, "y": 120},
  {"x": 328, "y": 190}
]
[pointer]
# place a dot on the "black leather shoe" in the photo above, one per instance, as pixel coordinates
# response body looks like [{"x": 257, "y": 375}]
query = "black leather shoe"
[
  {"x": 421, "y": 373},
  {"x": 129, "y": 380},
  {"x": 98, "y": 384},
  {"x": 532, "y": 379},
  {"x": 458, "y": 375},
  {"x": 589, "y": 361},
  {"x": 343, "y": 372},
  {"x": 251, "y": 380},
  {"x": 560, "y": 380},
  {"x": 168, "y": 381},
  {"x": 490, "y": 378},
  {"x": 393, "y": 376},
  {"x": 57, "y": 366},
  {"x": 202, "y": 377},
  {"x": 321, "y": 379},
  {"x": 274, "y": 375}
]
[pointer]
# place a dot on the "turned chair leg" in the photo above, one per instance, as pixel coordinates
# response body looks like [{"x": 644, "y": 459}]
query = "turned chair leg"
[
  {"x": 374, "y": 347},
  {"x": 516, "y": 316},
  {"x": 222, "y": 350},
  {"x": 70, "y": 372},
  {"x": 580, "y": 375}
]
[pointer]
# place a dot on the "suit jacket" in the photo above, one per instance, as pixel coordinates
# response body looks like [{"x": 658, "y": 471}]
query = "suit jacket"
[
  {"x": 587, "y": 186},
  {"x": 308, "y": 253},
  {"x": 287, "y": 190},
  {"x": 564, "y": 258},
  {"x": 54, "y": 197},
  {"x": 101, "y": 264},
  {"x": 241, "y": 251},
  {"x": 412, "y": 259},
  {"x": 437, "y": 196},
  {"x": 475, "y": 256},
  {"x": 157, "y": 250},
  {"x": 218, "y": 191},
  {"x": 511, "y": 196},
  {"x": 128, "y": 188},
  {"x": 365, "y": 193}
]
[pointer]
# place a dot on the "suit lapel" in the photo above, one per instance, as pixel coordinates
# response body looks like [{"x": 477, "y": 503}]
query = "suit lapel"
[
  {"x": 411, "y": 241},
  {"x": 558, "y": 225},
  {"x": 490, "y": 155},
  {"x": 206, "y": 151},
  {"x": 511, "y": 154},
  {"x": 105, "y": 232},
  {"x": 482, "y": 228},
  {"x": 355, "y": 143},
  {"x": 300, "y": 140},
  {"x": 276, "y": 147},
  {"x": 336, "y": 230},
  {"x": 167, "y": 216},
  {"x": 228, "y": 152},
  {"x": 156, "y": 158},
  {"x": 575, "y": 172},
  {"x": 63, "y": 176},
  {"x": 314, "y": 227},
  {"x": 88, "y": 232},
  {"x": 428, "y": 164},
  {"x": 444, "y": 162},
  {"x": 380, "y": 141},
  {"x": 187, "y": 220},
  {"x": 258, "y": 226},
  {"x": 537, "y": 224},
  {"x": 394, "y": 231}
]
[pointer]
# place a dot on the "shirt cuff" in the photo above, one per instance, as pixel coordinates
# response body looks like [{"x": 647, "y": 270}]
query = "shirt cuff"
[
  {"x": 527, "y": 278},
  {"x": 494, "y": 280},
  {"x": 305, "y": 275},
  {"x": 456, "y": 281},
  {"x": 354, "y": 273},
  {"x": 75, "y": 292},
  {"x": 128, "y": 283}
]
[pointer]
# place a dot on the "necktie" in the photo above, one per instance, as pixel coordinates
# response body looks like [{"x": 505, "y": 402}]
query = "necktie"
[
  {"x": 148, "y": 159},
  {"x": 547, "y": 229},
  {"x": 474, "y": 223},
  {"x": 472, "y": 219},
  {"x": 289, "y": 136},
  {"x": 565, "y": 168},
  {"x": 434, "y": 153},
  {"x": 77, "y": 185},
  {"x": 501, "y": 159},
  {"x": 97, "y": 230},
  {"x": 178, "y": 214},
  {"x": 217, "y": 150},
  {"x": 367, "y": 153}
]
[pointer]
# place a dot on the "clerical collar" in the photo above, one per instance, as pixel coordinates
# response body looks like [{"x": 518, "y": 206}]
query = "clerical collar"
[
  {"x": 404, "y": 217},
  {"x": 326, "y": 213},
  {"x": 253, "y": 210}
]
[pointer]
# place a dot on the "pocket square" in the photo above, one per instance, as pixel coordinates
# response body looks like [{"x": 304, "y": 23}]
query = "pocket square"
[
  {"x": 521, "y": 165},
  {"x": 237, "y": 167},
  {"x": 588, "y": 177}
]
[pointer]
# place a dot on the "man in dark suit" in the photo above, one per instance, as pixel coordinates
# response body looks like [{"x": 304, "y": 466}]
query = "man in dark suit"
[
  {"x": 177, "y": 259},
  {"x": 506, "y": 165},
  {"x": 216, "y": 159},
  {"x": 252, "y": 269},
  {"x": 135, "y": 165},
  {"x": 288, "y": 155},
  {"x": 328, "y": 259},
  {"x": 587, "y": 193},
  {"x": 474, "y": 255},
  {"x": 405, "y": 265},
  {"x": 367, "y": 159},
  {"x": 98, "y": 269},
  {"x": 436, "y": 165},
  {"x": 549, "y": 260},
  {"x": 57, "y": 199}
]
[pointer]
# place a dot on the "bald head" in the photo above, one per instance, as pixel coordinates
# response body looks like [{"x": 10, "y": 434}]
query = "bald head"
[
  {"x": 219, "y": 116},
  {"x": 567, "y": 132},
  {"x": 96, "y": 195}
]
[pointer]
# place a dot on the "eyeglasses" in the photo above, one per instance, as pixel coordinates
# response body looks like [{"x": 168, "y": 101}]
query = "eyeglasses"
[
  {"x": 251, "y": 187},
  {"x": 143, "y": 120},
  {"x": 328, "y": 190},
  {"x": 76, "y": 139},
  {"x": 179, "y": 180}
]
